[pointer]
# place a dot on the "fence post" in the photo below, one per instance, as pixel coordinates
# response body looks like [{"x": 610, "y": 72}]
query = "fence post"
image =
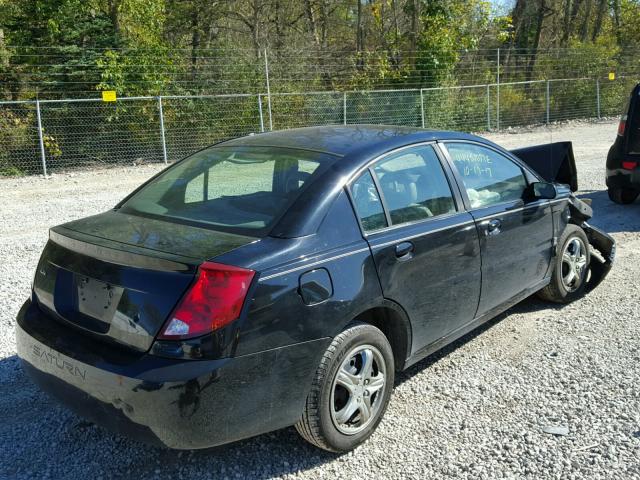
[
  {"x": 548, "y": 99},
  {"x": 43, "y": 154},
  {"x": 164, "y": 141},
  {"x": 344, "y": 108},
  {"x": 266, "y": 72},
  {"x": 598, "y": 96},
  {"x": 260, "y": 113},
  {"x": 488, "y": 108},
  {"x": 498, "y": 93},
  {"x": 422, "y": 106}
]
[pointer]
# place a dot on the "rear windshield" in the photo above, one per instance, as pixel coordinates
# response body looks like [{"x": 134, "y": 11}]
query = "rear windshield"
[{"x": 242, "y": 190}]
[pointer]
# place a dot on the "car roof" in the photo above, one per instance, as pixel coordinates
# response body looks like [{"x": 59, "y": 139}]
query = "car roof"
[{"x": 343, "y": 140}]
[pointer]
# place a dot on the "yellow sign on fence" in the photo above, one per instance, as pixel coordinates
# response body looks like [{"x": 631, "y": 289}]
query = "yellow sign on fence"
[
  {"x": 109, "y": 96},
  {"x": 612, "y": 75}
]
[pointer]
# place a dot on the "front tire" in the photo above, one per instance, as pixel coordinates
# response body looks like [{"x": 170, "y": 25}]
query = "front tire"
[
  {"x": 570, "y": 268},
  {"x": 623, "y": 196},
  {"x": 350, "y": 391}
]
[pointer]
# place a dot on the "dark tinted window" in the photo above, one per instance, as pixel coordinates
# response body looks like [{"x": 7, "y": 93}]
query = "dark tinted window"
[
  {"x": 237, "y": 189},
  {"x": 367, "y": 203},
  {"x": 414, "y": 185},
  {"x": 488, "y": 176}
]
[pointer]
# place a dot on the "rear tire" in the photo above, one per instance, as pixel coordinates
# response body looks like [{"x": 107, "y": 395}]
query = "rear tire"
[
  {"x": 350, "y": 391},
  {"x": 623, "y": 196},
  {"x": 570, "y": 269}
]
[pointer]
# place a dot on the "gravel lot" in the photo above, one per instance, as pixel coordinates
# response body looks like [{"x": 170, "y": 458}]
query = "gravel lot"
[{"x": 476, "y": 410}]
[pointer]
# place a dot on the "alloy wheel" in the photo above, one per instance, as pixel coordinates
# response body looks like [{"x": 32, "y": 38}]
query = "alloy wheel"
[
  {"x": 574, "y": 262},
  {"x": 358, "y": 389}
]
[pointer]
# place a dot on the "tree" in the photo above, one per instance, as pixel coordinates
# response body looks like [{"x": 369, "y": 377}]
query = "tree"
[{"x": 447, "y": 28}]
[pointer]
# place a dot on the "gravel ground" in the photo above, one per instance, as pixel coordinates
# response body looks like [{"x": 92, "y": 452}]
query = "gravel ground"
[{"x": 479, "y": 409}]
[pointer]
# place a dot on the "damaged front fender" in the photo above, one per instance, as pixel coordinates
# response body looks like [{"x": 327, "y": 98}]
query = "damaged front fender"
[
  {"x": 603, "y": 245},
  {"x": 603, "y": 252}
]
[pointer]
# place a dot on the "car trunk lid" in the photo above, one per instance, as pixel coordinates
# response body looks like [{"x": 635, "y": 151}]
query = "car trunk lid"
[{"x": 118, "y": 277}]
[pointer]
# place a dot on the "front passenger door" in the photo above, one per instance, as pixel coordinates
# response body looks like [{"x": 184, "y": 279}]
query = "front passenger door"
[{"x": 516, "y": 238}]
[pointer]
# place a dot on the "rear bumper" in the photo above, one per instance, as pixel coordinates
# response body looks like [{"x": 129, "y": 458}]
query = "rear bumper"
[
  {"x": 621, "y": 178},
  {"x": 616, "y": 176},
  {"x": 182, "y": 404}
]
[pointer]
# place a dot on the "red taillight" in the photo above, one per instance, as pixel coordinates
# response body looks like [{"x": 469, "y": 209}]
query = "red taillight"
[
  {"x": 622, "y": 125},
  {"x": 213, "y": 301},
  {"x": 629, "y": 165}
]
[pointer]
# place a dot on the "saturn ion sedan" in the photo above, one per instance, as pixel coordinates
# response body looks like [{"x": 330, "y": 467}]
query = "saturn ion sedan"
[{"x": 283, "y": 278}]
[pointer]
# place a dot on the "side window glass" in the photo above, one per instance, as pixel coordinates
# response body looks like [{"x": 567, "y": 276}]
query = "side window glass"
[
  {"x": 367, "y": 203},
  {"x": 489, "y": 177},
  {"x": 414, "y": 185}
]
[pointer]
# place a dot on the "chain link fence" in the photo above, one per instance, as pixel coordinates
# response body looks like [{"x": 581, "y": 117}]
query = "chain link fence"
[
  {"x": 193, "y": 122},
  {"x": 39, "y": 137}
]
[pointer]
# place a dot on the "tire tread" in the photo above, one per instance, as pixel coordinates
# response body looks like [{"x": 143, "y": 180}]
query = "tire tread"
[
  {"x": 622, "y": 196},
  {"x": 309, "y": 424}
]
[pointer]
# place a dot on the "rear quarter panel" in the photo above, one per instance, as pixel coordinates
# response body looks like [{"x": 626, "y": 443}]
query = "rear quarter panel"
[{"x": 277, "y": 315}]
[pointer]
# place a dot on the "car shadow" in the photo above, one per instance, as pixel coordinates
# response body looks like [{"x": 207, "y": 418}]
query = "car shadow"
[
  {"x": 611, "y": 217},
  {"x": 528, "y": 305}
]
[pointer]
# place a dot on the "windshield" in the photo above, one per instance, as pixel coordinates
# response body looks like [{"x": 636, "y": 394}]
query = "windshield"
[{"x": 238, "y": 189}]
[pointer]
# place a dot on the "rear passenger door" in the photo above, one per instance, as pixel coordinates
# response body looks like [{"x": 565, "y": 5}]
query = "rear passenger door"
[
  {"x": 516, "y": 237},
  {"x": 425, "y": 246}
]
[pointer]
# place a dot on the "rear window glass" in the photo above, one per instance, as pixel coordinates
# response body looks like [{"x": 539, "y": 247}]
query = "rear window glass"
[{"x": 242, "y": 190}]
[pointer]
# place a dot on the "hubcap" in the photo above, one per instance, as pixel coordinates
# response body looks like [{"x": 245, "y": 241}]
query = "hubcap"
[
  {"x": 358, "y": 389},
  {"x": 574, "y": 262}
]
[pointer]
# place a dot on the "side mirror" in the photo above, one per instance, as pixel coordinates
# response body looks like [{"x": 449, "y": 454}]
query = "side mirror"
[{"x": 541, "y": 191}]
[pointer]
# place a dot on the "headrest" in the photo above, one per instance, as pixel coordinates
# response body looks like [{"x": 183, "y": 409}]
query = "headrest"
[{"x": 399, "y": 189}]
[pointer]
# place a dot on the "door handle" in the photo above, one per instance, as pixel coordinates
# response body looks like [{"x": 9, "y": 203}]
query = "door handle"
[
  {"x": 493, "y": 227},
  {"x": 404, "y": 250}
]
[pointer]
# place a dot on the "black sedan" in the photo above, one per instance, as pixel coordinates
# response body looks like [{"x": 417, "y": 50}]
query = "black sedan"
[{"x": 282, "y": 278}]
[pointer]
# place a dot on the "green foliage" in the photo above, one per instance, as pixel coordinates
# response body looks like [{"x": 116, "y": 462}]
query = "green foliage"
[
  {"x": 10, "y": 171},
  {"x": 137, "y": 75},
  {"x": 58, "y": 22},
  {"x": 75, "y": 27},
  {"x": 629, "y": 31},
  {"x": 377, "y": 69},
  {"x": 504, "y": 29},
  {"x": 51, "y": 146},
  {"x": 580, "y": 59},
  {"x": 449, "y": 27},
  {"x": 76, "y": 48},
  {"x": 17, "y": 139},
  {"x": 388, "y": 108},
  {"x": 457, "y": 109},
  {"x": 193, "y": 123},
  {"x": 143, "y": 21}
]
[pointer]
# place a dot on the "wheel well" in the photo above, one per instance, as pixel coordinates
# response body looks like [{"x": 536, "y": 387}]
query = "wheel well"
[{"x": 395, "y": 327}]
